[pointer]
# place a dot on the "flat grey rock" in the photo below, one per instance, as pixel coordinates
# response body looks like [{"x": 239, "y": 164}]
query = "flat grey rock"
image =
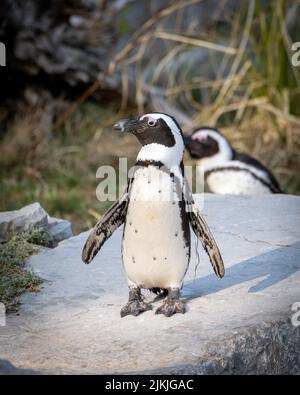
[
  {"x": 31, "y": 216},
  {"x": 243, "y": 323},
  {"x": 59, "y": 229},
  {"x": 22, "y": 220}
]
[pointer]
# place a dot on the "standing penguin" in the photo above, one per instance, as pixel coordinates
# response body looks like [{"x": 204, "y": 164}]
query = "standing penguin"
[
  {"x": 156, "y": 210},
  {"x": 225, "y": 170}
]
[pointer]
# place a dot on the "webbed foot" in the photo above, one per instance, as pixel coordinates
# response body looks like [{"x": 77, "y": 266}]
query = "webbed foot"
[
  {"x": 172, "y": 304},
  {"x": 136, "y": 304}
]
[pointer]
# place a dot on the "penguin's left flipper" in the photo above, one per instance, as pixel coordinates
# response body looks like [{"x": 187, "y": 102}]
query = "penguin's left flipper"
[
  {"x": 202, "y": 232},
  {"x": 208, "y": 242},
  {"x": 112, "y": 219}
]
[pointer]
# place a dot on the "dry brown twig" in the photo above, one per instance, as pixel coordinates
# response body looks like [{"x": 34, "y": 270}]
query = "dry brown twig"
[{"x": 146, "y": 26}]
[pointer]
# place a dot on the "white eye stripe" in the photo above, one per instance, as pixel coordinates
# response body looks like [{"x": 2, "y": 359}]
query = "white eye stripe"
[
  {"x": 168, "y": 120},
  {"x": 225, "y": 151},
  {"x": 152, "y": 122},
  {"x": 199, "y": 136}
]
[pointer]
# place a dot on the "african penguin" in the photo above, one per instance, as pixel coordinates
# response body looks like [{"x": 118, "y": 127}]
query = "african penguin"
[
  {"x": 157, "y": 210},
  {"x": 226, "y": 171}
]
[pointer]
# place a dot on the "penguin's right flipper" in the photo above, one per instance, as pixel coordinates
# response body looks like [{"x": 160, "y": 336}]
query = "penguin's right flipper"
[{"x": 112, "y": 219}]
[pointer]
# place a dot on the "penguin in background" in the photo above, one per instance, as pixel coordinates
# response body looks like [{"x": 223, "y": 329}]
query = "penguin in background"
[
  {"x": 226, "y": 171},
  {"x": 157, "y": 211}
]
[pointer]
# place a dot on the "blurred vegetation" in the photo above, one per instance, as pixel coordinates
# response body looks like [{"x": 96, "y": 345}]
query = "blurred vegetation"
[
  {"x": 60, "y": 171},
  {"x": 14, "y": 278},
  {"x": 247, "y": 87}
]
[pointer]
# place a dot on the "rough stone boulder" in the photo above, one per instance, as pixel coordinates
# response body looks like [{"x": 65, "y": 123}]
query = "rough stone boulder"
[
  {"x": 24, "y": 219},
  {"x": 245, "y": 323},
  {"x": 29, "y": 217},
  {"x": 60, "y": 229}
]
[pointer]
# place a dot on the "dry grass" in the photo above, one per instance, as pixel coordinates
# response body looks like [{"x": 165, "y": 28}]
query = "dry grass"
[
  {"x": 59, "y": 170},
  {"x": 237, "y": 77}
]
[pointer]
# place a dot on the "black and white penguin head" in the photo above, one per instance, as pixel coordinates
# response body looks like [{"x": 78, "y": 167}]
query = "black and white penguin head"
[
  {"x": 160, "y": 136},
  {"x": 208, "y": 145}
]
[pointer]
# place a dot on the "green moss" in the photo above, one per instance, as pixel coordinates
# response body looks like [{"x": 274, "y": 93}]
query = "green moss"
[{"x": 14, "y": 278}]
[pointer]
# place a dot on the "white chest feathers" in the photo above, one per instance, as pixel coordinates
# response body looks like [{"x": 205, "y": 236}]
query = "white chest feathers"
[
  {"x": 236, "y": 182},
  {"x": 155, "y": 248}
]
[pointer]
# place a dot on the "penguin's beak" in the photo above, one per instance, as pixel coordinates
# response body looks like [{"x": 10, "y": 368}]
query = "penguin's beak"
[
  {"x": 126, "y": 125},
  {"x": 187, "y": 140},
  {"x": 195, "y": 148}
]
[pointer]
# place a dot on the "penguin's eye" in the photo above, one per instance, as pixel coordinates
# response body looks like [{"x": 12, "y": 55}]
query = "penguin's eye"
[
  {"x": 151, "y": 122},
  {"x": 201, "y": 138}
]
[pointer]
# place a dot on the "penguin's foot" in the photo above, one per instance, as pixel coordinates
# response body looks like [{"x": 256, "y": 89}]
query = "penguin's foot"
[
  {"x": 135, "y": 308},
  {"x": 172, "y": 304},
  {"x": 170, "y": 307},
  {"x": 136, "y": 304}
]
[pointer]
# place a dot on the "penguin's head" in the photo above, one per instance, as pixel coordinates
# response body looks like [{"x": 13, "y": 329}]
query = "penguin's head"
[
  {"x": 152, "y": 128},
  {"x": 208, "y": 143},
  {"x": 159, "y": 134}
]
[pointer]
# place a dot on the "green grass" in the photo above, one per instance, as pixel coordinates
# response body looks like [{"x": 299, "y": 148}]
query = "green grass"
[
  {"x": 270, "y": 49},
  {"x": 14, "y": 278}
]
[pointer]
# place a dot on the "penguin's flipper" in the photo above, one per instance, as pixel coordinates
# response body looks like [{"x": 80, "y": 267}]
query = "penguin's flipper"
[
  {"x": 202, "y": 232},
  {"x": 111, "y": 220},
  {"x": 208, "y": 242}
]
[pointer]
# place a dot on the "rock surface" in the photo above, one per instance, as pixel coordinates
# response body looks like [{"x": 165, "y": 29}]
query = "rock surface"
[
  {"x": 29, "y": 217},
  {"x": 60, "y": 229},
  {"x": 21, "y": 220},
  {"x": 240, "y": 324}
]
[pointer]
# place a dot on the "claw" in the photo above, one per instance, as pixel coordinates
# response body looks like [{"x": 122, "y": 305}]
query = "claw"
[
  {"x": 170, "y": 307},
  {"x": 135, "y": 306}
]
